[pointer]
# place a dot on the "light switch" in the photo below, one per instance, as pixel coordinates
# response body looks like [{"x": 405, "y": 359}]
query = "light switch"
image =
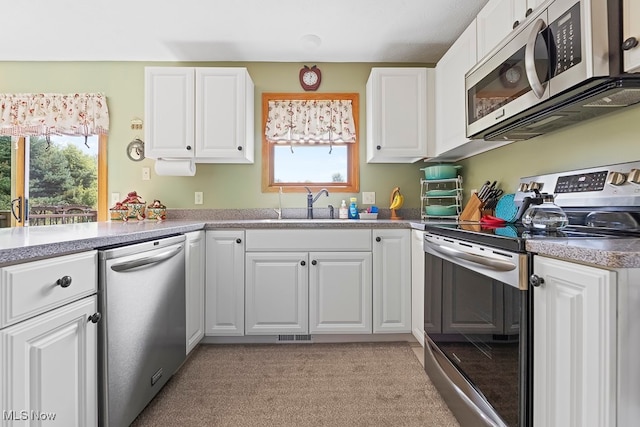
[
  {"x": 368, "y": 198},
  {"x": 115, "y": 198},
  {"x": 146, "y": 175}
]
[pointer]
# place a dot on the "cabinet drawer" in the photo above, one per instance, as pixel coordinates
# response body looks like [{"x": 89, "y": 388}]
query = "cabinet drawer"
[
  {"x": 309, "y": 240},
  {"x": 35, "y": 287}
]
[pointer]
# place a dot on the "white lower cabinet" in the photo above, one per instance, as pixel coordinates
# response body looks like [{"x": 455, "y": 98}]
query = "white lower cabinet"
[
  {"x": 340, "y": 292},
  {"x": 277, "y": 293},
  {"x": 391, "y": 281},
  {"x": 194, "y": 290},
  {"x": 574, "y": 344},
  {"x": 49, "y": 368},
  {"x": 224, "y": 289},
  {"x": 417, "y": 285},
  {"x": 48, "y": 342},
  {"x": 308, "y": 281}
]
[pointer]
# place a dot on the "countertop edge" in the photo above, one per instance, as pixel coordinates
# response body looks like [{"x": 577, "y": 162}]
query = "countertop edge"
[{"x": 18, "y": 245}]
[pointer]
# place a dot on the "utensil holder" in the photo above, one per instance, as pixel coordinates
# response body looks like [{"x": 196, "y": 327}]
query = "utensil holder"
[{"x": 473, "y": 210}]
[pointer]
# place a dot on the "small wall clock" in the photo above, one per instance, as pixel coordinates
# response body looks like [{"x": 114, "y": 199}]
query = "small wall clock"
[
  {"x": 310, "y": 78},
  {"x": 135, "y": 150}
]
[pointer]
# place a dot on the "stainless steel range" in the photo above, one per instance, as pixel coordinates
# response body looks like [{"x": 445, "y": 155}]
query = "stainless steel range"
[{"x": 478, "y": 328}]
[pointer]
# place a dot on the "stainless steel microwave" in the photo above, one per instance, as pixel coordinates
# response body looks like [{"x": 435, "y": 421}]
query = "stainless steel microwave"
[{"x": 562, "y": 66}]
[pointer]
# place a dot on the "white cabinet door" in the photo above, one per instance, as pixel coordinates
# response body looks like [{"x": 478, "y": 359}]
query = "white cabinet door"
[
  {"x": 49, "y": 368},
  {"x": 277, "y": 293},
  {"x": 417, "y": 285},
  {"x": 631, "y": 28},
  {"x": 391, "y": 281},
  {"x": 399, "y": 120},
  {"x": 495, "y": 21},
  {"x": 195, "y": 280},
  {"x": 340, "y": 292},
  {"x": 450, "y": 91},
  {"x": 169, "y": 112},
  {"x": 224, "y": 115},
  {"x": 204, "y": 113},
  {"x": 224, "y": 313},
  {"x": 574, "y": 344}
]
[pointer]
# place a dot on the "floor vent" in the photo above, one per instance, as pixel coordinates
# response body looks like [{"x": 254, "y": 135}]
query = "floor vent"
[{"x": 293, "y": 339}]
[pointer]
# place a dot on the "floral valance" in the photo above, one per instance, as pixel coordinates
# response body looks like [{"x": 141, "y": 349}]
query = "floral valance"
[
  {"x": 310, "y": 122},
  {"x": 36, "y": 114}
]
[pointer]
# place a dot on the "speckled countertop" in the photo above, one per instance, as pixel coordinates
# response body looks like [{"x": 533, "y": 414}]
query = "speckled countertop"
[
  {"x": 612, "y": 253},
  {"x": 30, "y": 243}
]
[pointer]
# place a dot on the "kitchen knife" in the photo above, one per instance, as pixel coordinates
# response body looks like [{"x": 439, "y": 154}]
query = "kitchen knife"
[{"x": 484, "y": 190}]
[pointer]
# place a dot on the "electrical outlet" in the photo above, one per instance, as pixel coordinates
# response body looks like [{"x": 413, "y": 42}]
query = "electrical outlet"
[
  {"x": 198, "y": 198},
  {"x": 368, "y": 198},
  {"x": 115, "y": 198},
  {"x": 146, "y": 175}
]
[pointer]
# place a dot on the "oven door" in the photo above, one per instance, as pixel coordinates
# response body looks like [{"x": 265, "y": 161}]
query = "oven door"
[
  {"x": 476, "y": 331},
  {"x": 512, "y": 80}
]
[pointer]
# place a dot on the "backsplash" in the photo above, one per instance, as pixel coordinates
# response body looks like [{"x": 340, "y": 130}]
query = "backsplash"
[{"x": 287, "y": 213}]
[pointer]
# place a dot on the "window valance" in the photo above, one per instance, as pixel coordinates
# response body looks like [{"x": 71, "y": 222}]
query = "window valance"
[
  {"x": 27, "y": 114},
  {"x": 310, "y": 122}
]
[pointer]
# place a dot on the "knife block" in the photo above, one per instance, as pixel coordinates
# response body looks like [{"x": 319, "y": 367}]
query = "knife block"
[{"x": 473, "y": 210}]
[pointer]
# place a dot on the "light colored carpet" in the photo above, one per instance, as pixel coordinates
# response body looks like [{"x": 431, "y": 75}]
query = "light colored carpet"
[{"x": 363, "y": 384}]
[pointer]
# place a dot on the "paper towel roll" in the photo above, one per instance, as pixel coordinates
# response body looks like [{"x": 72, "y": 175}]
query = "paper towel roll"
[{"x": 175, "y": 167}]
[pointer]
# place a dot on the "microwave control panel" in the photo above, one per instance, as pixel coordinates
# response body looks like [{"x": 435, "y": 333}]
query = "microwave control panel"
[{"x": 565, "y": 39}]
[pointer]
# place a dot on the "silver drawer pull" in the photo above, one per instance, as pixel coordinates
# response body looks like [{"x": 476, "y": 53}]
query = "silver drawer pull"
[{"x": 64, "y": 281}]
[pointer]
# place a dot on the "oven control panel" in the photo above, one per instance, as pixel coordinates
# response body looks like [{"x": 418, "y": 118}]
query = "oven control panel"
[
  {"x": 616, "y": 185},
  {"x": 593, "y": 181}
]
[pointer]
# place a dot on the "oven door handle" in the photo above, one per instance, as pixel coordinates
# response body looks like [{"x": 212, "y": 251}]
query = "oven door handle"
[{"x": 496, "y": 264}]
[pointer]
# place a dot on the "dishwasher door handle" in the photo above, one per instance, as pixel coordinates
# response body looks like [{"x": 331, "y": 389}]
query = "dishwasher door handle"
[{"x": 146, "y": 260}]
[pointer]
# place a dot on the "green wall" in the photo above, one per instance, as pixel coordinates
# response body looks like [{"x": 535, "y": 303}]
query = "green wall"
[
  {"x": 224, "y": 186},
  {"x": 609, "y": 139},
  {"x": 613, "y": 138}
]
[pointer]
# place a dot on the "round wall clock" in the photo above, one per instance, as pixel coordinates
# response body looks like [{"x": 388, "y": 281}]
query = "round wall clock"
[
  {"x": 135, "y": 150},
  {"x": 310, "y": 78},
  {"x": 510, "y": 75}
]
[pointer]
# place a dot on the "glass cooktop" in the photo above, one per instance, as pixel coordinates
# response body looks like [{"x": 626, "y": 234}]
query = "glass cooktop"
[{"x": 513, "y": 236}]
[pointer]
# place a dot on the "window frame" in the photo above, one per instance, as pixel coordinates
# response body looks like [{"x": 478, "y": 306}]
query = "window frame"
[{"x": 352, "y": 185}]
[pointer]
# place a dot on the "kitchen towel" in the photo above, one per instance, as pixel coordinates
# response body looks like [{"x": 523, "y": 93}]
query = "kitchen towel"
[{"x": 175, "y": 167}]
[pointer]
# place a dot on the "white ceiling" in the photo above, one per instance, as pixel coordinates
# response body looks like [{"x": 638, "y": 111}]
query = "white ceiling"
[{"x": 233, "y": 30}]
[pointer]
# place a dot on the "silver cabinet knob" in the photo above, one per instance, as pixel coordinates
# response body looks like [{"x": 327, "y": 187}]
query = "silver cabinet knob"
[{"x": 535, "y": 280}]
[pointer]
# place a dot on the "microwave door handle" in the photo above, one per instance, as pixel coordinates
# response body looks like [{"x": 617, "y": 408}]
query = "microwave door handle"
[
  {"x": 530, "y": 59},
  {"x": 487, "y": 262}
]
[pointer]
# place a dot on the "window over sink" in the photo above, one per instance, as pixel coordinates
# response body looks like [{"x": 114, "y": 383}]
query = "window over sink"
[{"x": 310, "y": 140}]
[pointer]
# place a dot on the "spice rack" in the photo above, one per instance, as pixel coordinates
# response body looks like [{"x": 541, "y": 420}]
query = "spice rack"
[{"x": 444, "y": 196}]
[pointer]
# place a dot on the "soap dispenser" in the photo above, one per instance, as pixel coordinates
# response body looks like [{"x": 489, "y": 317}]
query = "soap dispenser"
[
  {"x": 353, "y": 208},
  {"x": 343, "y": 213}
]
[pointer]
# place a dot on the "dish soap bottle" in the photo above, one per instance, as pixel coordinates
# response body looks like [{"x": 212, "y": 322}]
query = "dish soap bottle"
[
  {"x": 343, "y": 213},
  {"x": 353, "y": 209},
  {"x": 545, "y": 217}
]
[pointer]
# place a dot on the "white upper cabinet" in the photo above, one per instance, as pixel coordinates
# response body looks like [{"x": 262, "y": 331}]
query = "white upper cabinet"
[
  {"x": 399, "y": 115},
  {"x": 451, "y": 142},
  {"x": 205, "y": 114},
  {"x": 498, "y": 18},
  {"x": 631, "y": 28},
  {"x": 450, "y": 91}
]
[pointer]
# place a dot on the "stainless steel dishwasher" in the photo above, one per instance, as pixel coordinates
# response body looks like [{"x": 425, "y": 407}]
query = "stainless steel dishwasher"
[{"x": 142, "y": 343}]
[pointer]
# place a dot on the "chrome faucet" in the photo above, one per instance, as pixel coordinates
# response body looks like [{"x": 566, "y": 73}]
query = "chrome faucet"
[{"x": 311, "y": 200}]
